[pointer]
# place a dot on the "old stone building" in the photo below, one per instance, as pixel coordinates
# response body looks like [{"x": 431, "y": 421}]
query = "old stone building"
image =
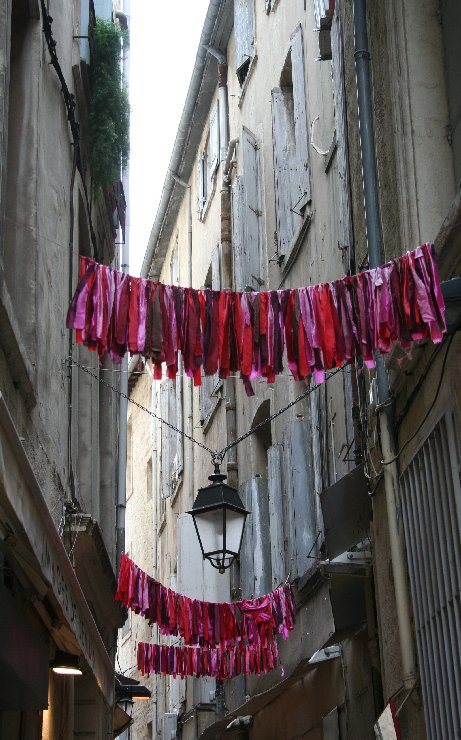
[
  {"x": 58, "y": 425},
  {"x": 357, "y": 506}
]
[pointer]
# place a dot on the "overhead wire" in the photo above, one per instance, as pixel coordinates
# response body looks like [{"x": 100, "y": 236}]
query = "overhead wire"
[{"x": 217, "y": 456}]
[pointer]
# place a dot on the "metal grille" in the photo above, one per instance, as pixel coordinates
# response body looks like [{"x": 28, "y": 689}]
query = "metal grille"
[{"x": 431, "y": 507}]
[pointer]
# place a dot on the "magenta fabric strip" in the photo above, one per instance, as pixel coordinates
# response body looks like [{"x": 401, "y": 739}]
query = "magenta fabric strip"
[{"x": 217, "y": 331}]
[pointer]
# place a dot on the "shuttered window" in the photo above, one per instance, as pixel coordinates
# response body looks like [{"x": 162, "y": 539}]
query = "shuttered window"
[
  {"x": 342, "y": 179},
  {"x": 246, "y": 218},
  {"x": 244, "y": 37},
  {"x": 207, "y": 164},
  {"x": 211, "y": 388},
  {"x": 431, "y": 505},
  {"x": 171, "y": 467},
  {"x": 291, "y": 145},
  {"x": 281, "y": 535},
  {"x": 255, "y": 557}
]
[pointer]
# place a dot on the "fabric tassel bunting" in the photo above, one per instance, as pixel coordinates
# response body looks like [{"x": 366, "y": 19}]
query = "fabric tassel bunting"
[
  {"x": 213, "y": 624},
  {"x": 221, "y": 663},
  {"x": 317, "y": 328}
]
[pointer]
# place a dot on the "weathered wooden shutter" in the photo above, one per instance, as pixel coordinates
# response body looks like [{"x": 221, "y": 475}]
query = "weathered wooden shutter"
[
  {"x": 243, "y": 30},
  {"x": 255, "y": 560},
  {"x": 201, "y": 184},
  {"x": 211, "y": 384},
  {"x": 300, "y": 180},
  {"x": 246, "y": 218},
  {"x": 165, "y": 461},
  {"x": 343, "y": 183},
  {"x": 281, "y": 127},
  {"x": 300, "y": 518},
  {"x": 252, "y": 247},
  {"x": 238, "y": 232},
  {"x": 275, "y": 492},
  {"x": 177, "y": 440},
  {"x": 213, "y": 157}
]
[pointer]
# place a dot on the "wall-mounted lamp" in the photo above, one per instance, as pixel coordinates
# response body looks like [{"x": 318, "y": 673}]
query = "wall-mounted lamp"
[
  {"x": 66, "y": 664},
  {"x": 132, "y": 692},
  {"x": 219, "y": 517}
]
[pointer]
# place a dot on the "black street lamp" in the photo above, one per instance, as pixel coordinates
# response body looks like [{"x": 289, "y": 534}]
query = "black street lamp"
[{"x": 219, "y": 517}]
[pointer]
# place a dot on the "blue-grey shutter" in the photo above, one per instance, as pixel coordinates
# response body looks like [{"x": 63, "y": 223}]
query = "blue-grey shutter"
[
  {"x": 299, "y": 492},
  {"x": 211, "y": 384},
  {"x": 247, "y": 579},
  {"x": 260, "y": 523},
  {"x": 237, "y": 232},
  {"x": 165, "y": 460},
  {"x": 275, "y": 493},
  {"x": 177, "y": 438},
  {"x": 243, "y": 31},
  {"x": 344, "y": 212},
  {"x": 300, "y": 182},
  {"x": 255, "y": 558},
  {"x": 251, "y": 252},
  {"x": 281, "y": 128},
  {"x": 201, "y": 197},
  {"x": 213, "y": 157}
]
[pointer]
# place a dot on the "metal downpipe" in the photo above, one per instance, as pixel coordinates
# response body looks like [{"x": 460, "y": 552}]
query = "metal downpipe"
[
  {"x": 386, "y": 406},
  {"x": 123, "y": 403}
]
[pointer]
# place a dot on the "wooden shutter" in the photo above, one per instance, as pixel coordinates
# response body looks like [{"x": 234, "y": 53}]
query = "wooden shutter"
[
  {"x": 345, "y": 236},
  {"x": 281, "y": 146},
  {"x": 300, "y": 507},
  {"x": 251, "y": 252},
  {"x": 300, "y": 180},
  {"x": 201, "y": 197},
  {"x": 165, "y": 461},
  {"x": 237, "y": 232},
  {"x": 211, "y": 384},
  {"x": 243, "y": 30},
  {"x": 213, "y": 142},
  {"x": 275, "y": 493},
  {"x": 177, "y": 440},
  {"x": 255, "y": 561},
  {"x": 247, "y": 578}
]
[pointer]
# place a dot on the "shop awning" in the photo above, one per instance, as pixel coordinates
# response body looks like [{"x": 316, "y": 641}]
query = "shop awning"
[{"x": 323, "y": 691}]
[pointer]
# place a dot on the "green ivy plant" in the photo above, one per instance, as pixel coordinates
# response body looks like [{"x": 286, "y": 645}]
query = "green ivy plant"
[{"x": 109, "y": 119}]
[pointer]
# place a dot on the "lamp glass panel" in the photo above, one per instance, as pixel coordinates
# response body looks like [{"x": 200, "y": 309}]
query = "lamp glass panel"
[
  {"x": 234, "y": 525},
  {"x": 210, "y": 529}
]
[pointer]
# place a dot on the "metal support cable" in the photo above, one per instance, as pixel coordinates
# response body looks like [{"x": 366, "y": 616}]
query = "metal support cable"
[{"x": 217, "y": 456}]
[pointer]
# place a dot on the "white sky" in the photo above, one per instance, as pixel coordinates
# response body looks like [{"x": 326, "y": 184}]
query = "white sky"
[{"x": 164, "y": 38}]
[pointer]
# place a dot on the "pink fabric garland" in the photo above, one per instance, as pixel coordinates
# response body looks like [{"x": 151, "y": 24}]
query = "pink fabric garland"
[{"x": 317, "y": 327}]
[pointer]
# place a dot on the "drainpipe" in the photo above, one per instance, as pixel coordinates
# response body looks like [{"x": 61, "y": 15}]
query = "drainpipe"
[
  {"x": 190, "y": 393},
  {"x": 385, "y": 405},
  {"x": 123, "y": 403}
]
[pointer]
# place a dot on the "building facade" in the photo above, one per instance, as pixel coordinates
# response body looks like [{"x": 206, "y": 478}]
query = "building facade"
[
  {"x": 265, "y": 190},
  {"x": 58, "y": 425}
]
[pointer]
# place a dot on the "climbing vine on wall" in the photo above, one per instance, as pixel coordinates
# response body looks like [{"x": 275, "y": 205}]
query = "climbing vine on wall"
[{"x": 109, "y": 119}]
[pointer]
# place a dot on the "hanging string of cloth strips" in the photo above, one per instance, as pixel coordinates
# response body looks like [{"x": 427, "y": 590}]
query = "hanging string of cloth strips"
[
  {"x": 318, "y": 327},
  {"x": 235, "y": 636}
]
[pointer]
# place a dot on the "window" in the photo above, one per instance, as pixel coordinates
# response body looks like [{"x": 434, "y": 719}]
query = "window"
[
  {"x": 211, "y": 388},
  {"x": 431, "y": 505},
  {"x": 244, "y": 37},
  {"x": 246, "y": 218},
  {"x": 208, "y": 163},
  {"x": 171, "y": 465},
  {"x": 291, "y": 147},
  {"x": 149, "y": 479},
  {"x": 345, "y": 235}
]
